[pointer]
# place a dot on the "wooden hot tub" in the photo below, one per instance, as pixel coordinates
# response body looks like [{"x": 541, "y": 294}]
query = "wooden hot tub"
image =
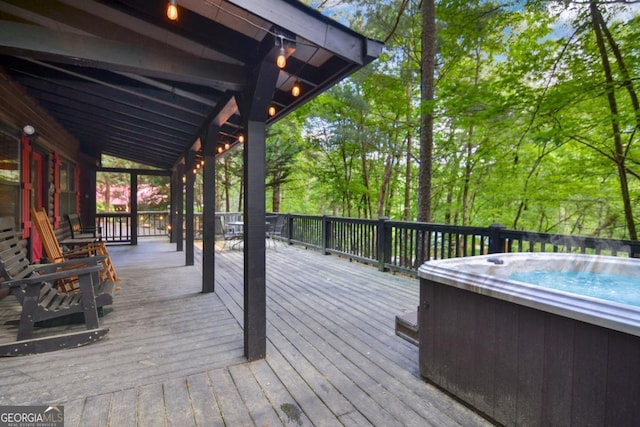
[{"x": 525, "y": 355}]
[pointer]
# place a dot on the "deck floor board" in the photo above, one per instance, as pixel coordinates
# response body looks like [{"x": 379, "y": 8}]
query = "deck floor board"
[{"x": 174, "y": 356}]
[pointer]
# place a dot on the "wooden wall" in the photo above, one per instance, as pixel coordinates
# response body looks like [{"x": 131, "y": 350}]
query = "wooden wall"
[{"x": 17, "y": 108}]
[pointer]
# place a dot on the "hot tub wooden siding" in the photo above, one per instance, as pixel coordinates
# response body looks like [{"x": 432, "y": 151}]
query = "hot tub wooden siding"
[{"x": 521, "y": 366}]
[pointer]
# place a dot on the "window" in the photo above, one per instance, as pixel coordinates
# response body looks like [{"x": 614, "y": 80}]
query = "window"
[
  {"x": 67, "y": 189},
  {"x": 10, "y": 177}
]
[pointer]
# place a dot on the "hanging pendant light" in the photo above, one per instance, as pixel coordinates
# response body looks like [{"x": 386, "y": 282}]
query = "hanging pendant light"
[
  {"x": 172, "y": 10},
  {"x": 295, "y": 90},
  {"x": 281, "y": 60}
]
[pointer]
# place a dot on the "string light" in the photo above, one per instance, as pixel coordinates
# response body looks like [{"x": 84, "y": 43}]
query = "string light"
[
  {"x": 226, "y": 146},
  {"x": 281, "y": 60},
  {"x": 219, "y": 149},
  {"x": 172, "y": 10},
  {"x": 295, "y": 90},
  {"x": 272, "y": 110},
  {"x": 241, "y": 138}
]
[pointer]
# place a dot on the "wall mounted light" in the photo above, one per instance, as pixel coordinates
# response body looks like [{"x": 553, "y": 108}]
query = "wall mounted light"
[
  {"x": 28, "y": 130},
  {"x": 272, "y": 110},
  {"x": 172, "y": 10},
  {"x": 295, "y": 90}
]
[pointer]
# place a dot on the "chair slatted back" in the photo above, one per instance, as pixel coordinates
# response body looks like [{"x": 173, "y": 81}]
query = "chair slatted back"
[
  {"x": 74, "y": 224},
  {"x": 54, "y": 251},
  {"x": 47, "y": 235},
  {"x": 14, "y": 262}
]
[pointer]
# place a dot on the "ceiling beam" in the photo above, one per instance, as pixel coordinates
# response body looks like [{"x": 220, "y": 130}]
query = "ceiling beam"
[{"x": 43, "y": 43}]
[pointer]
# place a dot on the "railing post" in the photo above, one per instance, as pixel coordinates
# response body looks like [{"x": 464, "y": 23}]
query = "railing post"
[
  {"x": 326, "y": 234},
  {"x": 496, "y": 242},
  {"x": 382, "y": 242},
  {"x": 289, "y": 219},
  {"x": 634, "y": 251}
]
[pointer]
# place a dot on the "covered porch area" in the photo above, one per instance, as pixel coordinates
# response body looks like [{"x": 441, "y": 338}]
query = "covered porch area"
[{"x": 174, "y": 355}]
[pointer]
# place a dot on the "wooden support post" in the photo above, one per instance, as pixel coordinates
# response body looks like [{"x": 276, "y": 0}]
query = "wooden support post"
[
  {"x": 209, "y": 209},
  {"x": 134, "y": 208},
  {"x": 189, "y": 230},
  {"x": 178, "y": 210},
  {"x": 255, "y": 313},
  {"x": 172, "y": 205},
  {"x": 253, "y": 105}
]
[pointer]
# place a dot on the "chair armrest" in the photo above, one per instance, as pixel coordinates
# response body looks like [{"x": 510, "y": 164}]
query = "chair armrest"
[
  {"x": 96, "y": 230},
  {"x": 76, "y": 262},
  {"x": 78, "y": 253},
  {"x": 64, "y": 274}
]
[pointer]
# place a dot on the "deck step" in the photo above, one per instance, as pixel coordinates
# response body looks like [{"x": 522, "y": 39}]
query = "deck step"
[{"x": 407, "y": 327}]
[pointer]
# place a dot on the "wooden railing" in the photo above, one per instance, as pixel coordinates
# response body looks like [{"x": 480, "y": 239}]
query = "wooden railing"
[
  {"x": 117, "y": 226},
  {"x": 404, "y": 246},
  {"x": 389, "y": 244}
]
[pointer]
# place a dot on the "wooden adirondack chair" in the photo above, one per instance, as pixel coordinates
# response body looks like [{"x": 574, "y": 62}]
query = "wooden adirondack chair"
[
  {"x": 32, "y": 285},
  {"x": 88, "y": 247}
]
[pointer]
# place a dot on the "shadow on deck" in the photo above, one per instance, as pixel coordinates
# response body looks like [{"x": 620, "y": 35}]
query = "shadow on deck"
[{"x": 174, "y": 356}]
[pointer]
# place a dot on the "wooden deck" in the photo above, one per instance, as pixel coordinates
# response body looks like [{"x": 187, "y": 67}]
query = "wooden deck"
[{"x": 175, "y": 356}]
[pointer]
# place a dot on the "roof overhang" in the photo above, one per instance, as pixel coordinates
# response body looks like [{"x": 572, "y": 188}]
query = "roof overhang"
[{"x": 126, "y": 81}]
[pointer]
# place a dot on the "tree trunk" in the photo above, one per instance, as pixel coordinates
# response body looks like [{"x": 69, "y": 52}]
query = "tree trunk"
[
  {"x": 409, "y": 157},
  {"x": 368, "y": 209},
  {"x": 227, "y": 185},
  {"x": 619, "y": 153},
  {"x": 427, "y": 68},
  {"x": 275, "y": 197}
]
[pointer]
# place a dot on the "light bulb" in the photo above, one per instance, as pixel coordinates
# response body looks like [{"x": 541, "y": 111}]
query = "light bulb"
[
  {"x": 295, "y": 90},
  {"x": 241, "y": 138},
  {"x": 226, "y": 145},
  {"x": 219, "y": 149},
  {"x": 281, "y": 61},
  {"x": 272, "y": 110},
  {"x": 172, "y": 10}
]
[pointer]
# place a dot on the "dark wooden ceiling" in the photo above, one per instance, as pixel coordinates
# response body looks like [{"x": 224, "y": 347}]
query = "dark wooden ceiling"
[{"x": 126, "y": 81}]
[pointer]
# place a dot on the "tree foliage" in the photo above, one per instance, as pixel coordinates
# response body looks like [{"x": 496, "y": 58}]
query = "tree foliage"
[{"x": 535, "y": 119}]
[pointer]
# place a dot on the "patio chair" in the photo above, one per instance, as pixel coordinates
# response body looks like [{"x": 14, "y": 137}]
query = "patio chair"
[
  {"x": 233, "y": 229},
  {"x": 33, "y": 286},
  {"x": 78, "y": 231},
  {"x": 87, "y": 247},
  {"x": 274, "y": 229}
]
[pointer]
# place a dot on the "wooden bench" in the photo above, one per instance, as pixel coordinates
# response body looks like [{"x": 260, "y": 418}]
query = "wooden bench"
[{"x": 33, "y": 286}]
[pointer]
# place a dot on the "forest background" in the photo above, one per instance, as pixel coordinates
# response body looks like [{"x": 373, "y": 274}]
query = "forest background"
[{"x": 535, "y": 121}]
